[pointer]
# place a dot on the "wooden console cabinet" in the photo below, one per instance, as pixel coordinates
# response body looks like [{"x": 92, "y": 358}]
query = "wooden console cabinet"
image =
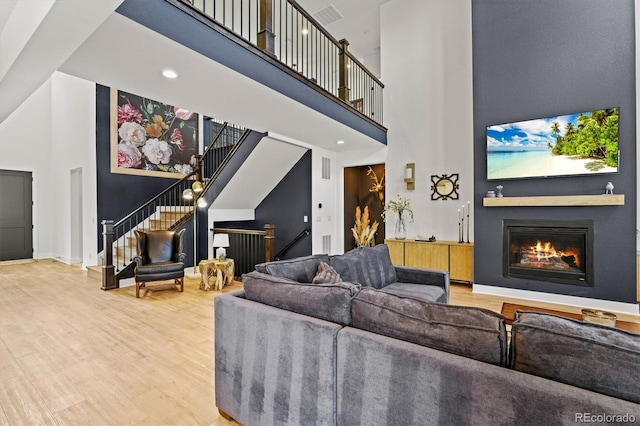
[{"x": 457, "y": 258}]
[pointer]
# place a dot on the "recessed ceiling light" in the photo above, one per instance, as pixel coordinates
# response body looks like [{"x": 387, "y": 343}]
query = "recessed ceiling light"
[
  {"x": 305, "y": 31},
  {"x": 170, "y": 73},
  {"x": 340, "y": 142}
]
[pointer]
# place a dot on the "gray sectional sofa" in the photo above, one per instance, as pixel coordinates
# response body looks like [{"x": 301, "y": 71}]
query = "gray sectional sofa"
[{"x": 356, "y": 352}]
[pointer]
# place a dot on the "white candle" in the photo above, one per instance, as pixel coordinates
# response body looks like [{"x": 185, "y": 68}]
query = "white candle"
[
  {"x": 459, "y": 216},
  {"x": 468, "y": 207},
  {"x": 407, "y": 173}
]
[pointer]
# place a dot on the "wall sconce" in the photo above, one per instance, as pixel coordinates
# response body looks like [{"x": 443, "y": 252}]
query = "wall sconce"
[{"x": 410, "y": 176}]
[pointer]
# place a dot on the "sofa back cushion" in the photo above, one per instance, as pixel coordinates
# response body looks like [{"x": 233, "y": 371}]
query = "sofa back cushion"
[
  {"x": 331, "y": 302},
  {"x": 471, "y": 332},
  {"x": 590, "y": 356},
  {"x": 368, "y": 266},
  {"x": 301, "y": 269}
]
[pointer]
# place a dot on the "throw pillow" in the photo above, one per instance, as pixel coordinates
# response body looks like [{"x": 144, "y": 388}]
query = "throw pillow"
[
  {"x": 471, "y": 332},
  {"x": 590, "y": 356},
  {"x": 326, "y": 275},
  {"x": 368, "y": 266}
]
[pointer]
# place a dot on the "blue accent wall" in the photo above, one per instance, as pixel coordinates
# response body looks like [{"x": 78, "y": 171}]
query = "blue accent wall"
[
  {"x": 540, "y": 58},
  {"x": 285, "y": 207}
]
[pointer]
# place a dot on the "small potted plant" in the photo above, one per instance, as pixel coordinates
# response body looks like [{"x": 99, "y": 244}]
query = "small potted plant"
[{"x": 402, "y": 206}]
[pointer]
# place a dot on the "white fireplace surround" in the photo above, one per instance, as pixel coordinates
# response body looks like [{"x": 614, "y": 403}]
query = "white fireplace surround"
[{"x": 581, "y": 302}]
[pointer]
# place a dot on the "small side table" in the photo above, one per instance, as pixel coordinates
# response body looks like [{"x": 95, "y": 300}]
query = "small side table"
[{"x": 221, "y": 270}]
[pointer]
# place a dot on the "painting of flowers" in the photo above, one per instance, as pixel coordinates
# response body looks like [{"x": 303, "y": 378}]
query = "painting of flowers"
[{"x": 151, "y": 138}]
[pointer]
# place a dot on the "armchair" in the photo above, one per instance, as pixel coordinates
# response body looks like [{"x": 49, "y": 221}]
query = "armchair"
[{"x": 159, "y": 257}]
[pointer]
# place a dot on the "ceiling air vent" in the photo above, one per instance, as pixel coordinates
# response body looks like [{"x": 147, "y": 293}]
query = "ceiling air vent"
[{"x": 327, "y": 15}]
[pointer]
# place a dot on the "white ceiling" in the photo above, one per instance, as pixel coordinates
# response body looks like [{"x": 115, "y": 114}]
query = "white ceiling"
[{"x": 360, "y": 25}]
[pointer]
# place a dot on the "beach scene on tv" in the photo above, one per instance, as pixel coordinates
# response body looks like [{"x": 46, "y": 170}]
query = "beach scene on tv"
[{"x": 574, "y": 144}]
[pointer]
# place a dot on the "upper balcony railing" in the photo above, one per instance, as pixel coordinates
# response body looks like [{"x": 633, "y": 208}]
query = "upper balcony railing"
[{"x": 284, "y": 30}]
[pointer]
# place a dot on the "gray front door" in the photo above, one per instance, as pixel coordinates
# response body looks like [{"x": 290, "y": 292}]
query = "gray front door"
[{"x": 16, "y": 217}]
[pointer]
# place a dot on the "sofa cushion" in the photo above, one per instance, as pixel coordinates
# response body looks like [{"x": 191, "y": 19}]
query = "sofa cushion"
[
  {"x": 590, "y": 356},
  {"x": 301, "y": 269},
  {"x": 331, "y": 302},
  {"x": 428, "y": 293},
  {"x": 369, "y": 266},
  {"x": 471, "y": 332},
  {"x": 326, "y": 275}
]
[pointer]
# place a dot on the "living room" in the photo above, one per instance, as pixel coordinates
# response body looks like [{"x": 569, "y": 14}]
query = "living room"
[
  {"x": 449, "y": 85},
  {"x": 456, "y": 103}
]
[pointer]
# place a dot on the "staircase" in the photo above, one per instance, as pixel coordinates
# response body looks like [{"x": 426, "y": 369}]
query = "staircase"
[{"x": 167, "y": 210}]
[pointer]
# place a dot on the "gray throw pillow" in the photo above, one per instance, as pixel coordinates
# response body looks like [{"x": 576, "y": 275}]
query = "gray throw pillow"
[
  {"x": 590, "y": 356},
  {"x": 369, "y": 266},
  {"x": 326, "y": 275},
  {"x": 471, "y": 332}
]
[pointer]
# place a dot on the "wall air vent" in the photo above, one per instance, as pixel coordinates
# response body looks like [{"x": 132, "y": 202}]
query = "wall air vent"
[
  {"x": 326, "y": 243},
  {"x": 327, "y": 15},
  {"x": 326, "y": 168}
]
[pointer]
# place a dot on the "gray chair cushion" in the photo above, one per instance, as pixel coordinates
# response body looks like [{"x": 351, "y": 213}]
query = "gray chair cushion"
[
  {"x": 301, "y": 269},
  {"x": 369, "y": 266},
  {"x": 590, "y": 356},
  {"x": 471, "y": 332},
  {"x": 331, "y": 302},
  {"x": 428, "y": 293}
]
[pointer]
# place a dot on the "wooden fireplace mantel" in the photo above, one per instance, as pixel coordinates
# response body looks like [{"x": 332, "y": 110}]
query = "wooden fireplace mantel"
[{"x": 555, "y": 200}]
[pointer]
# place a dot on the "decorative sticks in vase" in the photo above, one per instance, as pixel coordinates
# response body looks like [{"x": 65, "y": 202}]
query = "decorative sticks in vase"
[{"x": 461, "y": 215}]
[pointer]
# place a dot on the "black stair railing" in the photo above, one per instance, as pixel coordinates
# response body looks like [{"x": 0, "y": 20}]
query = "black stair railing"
[
  {"x": 306, "y": 231},
  {"x": 288, "y": 33},
  {"x": 167, "y": 210}
]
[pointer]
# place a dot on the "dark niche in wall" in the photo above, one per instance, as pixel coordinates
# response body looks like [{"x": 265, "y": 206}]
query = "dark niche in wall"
[{"x": 363, "y": 187}]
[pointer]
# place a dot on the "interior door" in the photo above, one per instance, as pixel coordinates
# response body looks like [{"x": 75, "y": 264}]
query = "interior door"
[{"x": 16, "y": 216}]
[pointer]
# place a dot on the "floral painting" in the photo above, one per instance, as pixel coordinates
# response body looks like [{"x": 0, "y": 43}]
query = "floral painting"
[{"x": 151, "y": 138}]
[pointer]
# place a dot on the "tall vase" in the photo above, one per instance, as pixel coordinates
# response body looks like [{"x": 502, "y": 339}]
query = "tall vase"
[{"x": 401, "y": 229}]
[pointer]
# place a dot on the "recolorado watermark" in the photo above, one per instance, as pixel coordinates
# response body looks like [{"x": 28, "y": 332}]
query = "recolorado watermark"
[{"x": 604, "y": 418}]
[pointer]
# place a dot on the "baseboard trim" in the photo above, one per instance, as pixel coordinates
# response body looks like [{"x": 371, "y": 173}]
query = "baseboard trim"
[{"x": 581, "y": 302}]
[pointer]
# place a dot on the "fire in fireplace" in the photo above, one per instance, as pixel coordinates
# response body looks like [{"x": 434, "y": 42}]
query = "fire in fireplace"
[{"x": 556, "y": 251}]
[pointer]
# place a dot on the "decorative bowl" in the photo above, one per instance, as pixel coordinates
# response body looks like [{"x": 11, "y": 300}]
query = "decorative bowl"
[{"x": 599, "y": 317}]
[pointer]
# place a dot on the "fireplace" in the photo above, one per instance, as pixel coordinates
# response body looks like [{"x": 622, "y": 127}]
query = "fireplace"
[{"x": 549, "y": 250}]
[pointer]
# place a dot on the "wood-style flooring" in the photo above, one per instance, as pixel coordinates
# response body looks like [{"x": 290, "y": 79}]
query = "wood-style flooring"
[{"x": 71, "y": 354}]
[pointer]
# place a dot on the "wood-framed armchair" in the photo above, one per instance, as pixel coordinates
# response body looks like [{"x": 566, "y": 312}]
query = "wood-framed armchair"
[{"x": 159, "y": 257}]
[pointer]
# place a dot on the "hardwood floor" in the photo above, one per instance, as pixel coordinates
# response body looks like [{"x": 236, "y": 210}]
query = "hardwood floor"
[{"x": 75, "y": 355}]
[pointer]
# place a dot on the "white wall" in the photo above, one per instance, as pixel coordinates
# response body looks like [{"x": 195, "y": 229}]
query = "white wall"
[
  {"x": 324, "y": 220},
  {"x": 426, "y": 64},
  {"x": 50, "y": 134},
  {"x": 25, "y": 145},
  {"x": 73, "y": 136}
]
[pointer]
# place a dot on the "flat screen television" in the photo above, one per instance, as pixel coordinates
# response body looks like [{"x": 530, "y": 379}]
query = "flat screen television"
[{"x": 583, "y": 143}]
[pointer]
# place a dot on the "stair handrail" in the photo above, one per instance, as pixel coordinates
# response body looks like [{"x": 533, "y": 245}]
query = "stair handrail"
[{"x": 306, "y": 231}]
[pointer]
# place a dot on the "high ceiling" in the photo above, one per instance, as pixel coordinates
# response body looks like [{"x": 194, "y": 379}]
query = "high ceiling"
[
  {"x": 360, "y": 25},
  {"x": 107, "y": 45}
]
